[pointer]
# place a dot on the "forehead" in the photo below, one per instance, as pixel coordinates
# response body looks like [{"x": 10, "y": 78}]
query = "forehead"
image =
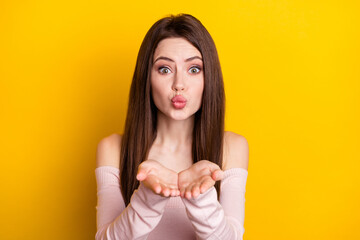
[{"x": 176, "y": 47}]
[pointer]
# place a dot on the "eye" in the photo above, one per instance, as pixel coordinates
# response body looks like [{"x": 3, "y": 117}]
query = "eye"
[
  {"x": 164, "y": 70},
  {"x": 195, "y": 69}
]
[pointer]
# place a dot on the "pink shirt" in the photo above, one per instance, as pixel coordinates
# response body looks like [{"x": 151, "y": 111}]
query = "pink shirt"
[{"x": 151, "y": 216}]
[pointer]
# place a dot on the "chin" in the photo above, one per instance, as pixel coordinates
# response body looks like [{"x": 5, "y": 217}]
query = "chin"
[{"x": 179, "y": 116}]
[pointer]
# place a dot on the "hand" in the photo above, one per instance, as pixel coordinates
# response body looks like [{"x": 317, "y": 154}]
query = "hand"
[
  {"x": 158, "y": 178},
  {"x": 198, "y": 178}
]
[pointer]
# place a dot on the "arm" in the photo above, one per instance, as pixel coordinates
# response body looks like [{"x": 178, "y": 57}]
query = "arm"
[
  {"x": 143, "y": 213},
  {"x": 212, "y": 219},
  {"x": 114, "y": 221},
  {"x": 223, "y": 219}
]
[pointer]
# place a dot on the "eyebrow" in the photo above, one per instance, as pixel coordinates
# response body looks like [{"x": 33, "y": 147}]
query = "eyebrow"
[{"x": 169, "y": 59}]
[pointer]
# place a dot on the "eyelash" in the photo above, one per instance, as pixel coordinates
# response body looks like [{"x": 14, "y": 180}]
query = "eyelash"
[{"x": 163, "y": 67}]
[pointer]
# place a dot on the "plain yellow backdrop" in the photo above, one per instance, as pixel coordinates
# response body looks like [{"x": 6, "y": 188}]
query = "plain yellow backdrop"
[{"x": 292, "y": 81}]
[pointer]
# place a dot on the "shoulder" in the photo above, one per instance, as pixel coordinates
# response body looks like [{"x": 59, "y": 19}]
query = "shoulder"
[
  {"x": 108, "y": 151},
  {"x": 235, "y": 151}
]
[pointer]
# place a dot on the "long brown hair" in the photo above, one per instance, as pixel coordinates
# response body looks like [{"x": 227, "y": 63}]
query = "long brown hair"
[{"x": 140, "y": 126}]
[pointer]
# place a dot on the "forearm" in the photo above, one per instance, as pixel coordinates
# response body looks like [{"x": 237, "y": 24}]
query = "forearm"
[
  {"x": 136, "y": 221},
  {"x": 209, "y": 220}
]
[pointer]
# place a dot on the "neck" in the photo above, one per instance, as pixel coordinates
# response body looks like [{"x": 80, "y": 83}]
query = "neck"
[{"x": 174, "y": 134}]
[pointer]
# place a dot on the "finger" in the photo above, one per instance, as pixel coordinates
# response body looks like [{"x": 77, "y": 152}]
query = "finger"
[
  {"x": 153, "y": 183},
  {"x": 217, "y": 175},
  {"x": 182, "y": 188},
  {"x": 188, "y": 193},
  {"x": 174, "y": 192},
  {"x": 165, "y": 191},
  {"x": 177, "y": 192},
  {"x": 206, "y": 185},
  {"x": 141, "y": 175},
  {"x": 195, "y": 191},
  {"x": 213, "y": 167},
  {"x": 182, "y": 192}
]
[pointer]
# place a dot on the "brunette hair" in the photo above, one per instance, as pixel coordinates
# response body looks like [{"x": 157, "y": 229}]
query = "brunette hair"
[{"x": 140, "y": 126}]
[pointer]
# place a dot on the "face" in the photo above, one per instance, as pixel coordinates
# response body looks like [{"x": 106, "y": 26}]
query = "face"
[{"x": 177, "y": 78}]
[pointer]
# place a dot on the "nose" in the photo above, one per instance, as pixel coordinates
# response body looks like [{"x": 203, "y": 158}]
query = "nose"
[{"x": 179, "y": 83}]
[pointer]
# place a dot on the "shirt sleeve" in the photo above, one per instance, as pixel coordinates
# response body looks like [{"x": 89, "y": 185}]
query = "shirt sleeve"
[
  {"x": 113, "y": 219},
  {"x": 223, "y": 219}
]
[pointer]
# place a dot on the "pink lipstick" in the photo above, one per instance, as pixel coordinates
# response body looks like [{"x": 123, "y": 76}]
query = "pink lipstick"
[{"x": 178, "y": 102}]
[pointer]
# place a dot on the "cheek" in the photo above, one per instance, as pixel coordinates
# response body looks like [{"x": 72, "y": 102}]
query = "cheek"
[
  {"x": 156, "y": 89},
  {"x": 158, "y": 93},
  {"x": 197, "y": 94},
  {"x": 200, "y": 89}
]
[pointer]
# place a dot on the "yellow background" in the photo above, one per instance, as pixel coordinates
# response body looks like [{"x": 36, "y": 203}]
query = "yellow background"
[{"x": 292, "y": 79}]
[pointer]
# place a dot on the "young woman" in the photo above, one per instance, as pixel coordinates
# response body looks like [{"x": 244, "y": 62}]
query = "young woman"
[{"x": 174, "y": 173}]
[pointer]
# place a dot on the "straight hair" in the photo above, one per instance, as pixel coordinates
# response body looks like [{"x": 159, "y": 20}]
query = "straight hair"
[{"x": 140, "y": 125}]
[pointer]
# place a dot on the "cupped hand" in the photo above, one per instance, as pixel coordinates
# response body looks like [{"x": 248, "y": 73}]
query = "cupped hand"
[
  {"x": 158, "y": 178},
  {"x": 198, "y": 178}
]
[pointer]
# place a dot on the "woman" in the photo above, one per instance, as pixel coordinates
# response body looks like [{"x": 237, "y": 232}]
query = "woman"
[{"x": 174, "y": 173}]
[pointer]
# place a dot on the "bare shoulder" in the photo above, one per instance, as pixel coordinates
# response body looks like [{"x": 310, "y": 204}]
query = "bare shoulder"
[
  {"x": 236, "y": 151},
  {"x": 108, "y": 151}
]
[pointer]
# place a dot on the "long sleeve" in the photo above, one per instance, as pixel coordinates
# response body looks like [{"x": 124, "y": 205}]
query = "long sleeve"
[
  {"x": 224, "y": 219},
  {"x": 114, "y": 221}
]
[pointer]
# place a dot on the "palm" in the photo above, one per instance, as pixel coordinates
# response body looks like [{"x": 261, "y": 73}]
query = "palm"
[
  {"x": 158, "y": 178},
  {"x": 198, "y": 178}
]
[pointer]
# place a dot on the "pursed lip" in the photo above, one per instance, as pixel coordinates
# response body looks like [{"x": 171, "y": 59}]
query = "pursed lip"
[
  {"x": 179, "y": 102},
  {"x": 178, "y": 98}
]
